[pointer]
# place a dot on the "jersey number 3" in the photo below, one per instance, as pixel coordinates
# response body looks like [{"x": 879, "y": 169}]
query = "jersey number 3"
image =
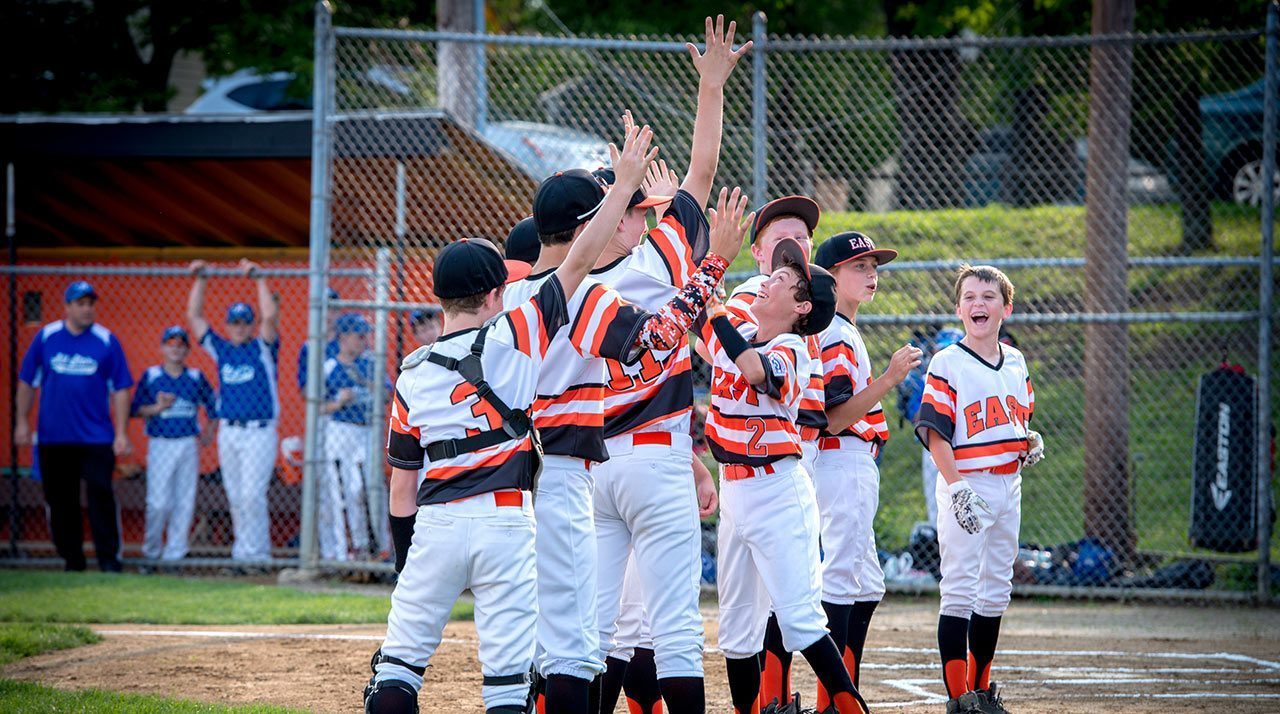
[{"x": 481, "y": 409}]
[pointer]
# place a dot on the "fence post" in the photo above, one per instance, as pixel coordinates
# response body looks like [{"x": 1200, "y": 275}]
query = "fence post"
[
  {"x": 375, "y": 495},
  {"x": 758, "y": 107},
  {"x": 321, "y": 140},
  {"x": 481, "y": 79},
  {"x": 1265, "y": 307},
  {"x": 11, "y": 235}
]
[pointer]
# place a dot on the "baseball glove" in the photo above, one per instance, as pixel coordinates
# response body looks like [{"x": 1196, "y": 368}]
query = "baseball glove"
[
  {"x": 971, "y": 510},
  {"x": 1035, "y": 448}
]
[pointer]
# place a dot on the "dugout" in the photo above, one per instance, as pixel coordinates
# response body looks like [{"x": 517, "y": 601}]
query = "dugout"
[{"x": 161, "y": 190}]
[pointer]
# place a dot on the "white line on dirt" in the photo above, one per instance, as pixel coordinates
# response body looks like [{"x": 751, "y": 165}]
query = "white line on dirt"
[{"x": 259, "y": 635}]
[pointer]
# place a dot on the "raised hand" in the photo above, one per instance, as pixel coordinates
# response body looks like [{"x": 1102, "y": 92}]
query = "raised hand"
[
  {"x": 716, "y": 63},
  {"x": 903, "y": 361},
  {"x": 198, "y": 268},
  {"x": 728, "y": 226},
  {"x": 660, "y": 180},
  {"x": 249, "y": 268},
  {"x": 630, "y": 162}
]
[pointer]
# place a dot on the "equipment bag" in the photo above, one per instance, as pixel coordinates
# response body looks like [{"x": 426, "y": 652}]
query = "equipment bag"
[{"x": 1224, "y": 468}]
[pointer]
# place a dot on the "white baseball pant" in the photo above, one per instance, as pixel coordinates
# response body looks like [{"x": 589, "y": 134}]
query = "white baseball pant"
[
  {"x": 809, "y": 457},
  {"x": 929, "y": 482},
  {"x": 247, "y": 456},
  {"x": 847, "y": 482},
  {"x": 768, "y": 560},
  {"x": 568, "y": 641},
  {"x": 172, "y": 468},
  {"x": 646, "y": 505},
  {"x": 471, "y": 544},
  {"x": 633, "y": 623},
  {"x": 342, "y": 505},
  {"x": 977, "y": 569}
]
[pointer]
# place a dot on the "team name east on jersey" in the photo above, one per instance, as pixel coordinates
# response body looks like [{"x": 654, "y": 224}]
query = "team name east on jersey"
[{"x": 989, "y": 413}]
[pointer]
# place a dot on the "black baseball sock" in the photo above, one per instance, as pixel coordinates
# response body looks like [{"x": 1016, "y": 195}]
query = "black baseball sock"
[
  {"x": 684, "y": 695},
  {"x": 859, "y": 623},
  {"x": 744, "y": 683},
  {"x": 953, "y": 635},
  {"x": 641, "y": 681},
  {"x": 983, "y": 633},
  {"x": 838, "y": 625},
  {"x": 593, "y": 695},
  {"x": 611, "y": 684},
  {"x": 828, "y": 665},
  {"x": 567, "y": 694},
  {"x": 775, "y": 681}
]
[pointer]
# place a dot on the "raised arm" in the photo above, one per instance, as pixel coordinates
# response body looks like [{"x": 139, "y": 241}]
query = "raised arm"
[
  {"x": 195, "y": 301},
  {"x": 714, "y": 67},
  {"x": 267, "y": 307},
  {"x": 629, "y": 166}
]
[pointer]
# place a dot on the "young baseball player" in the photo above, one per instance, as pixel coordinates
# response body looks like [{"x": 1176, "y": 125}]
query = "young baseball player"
[
  {"x": 645, "y": 499},
  {"x": 462, "y": 409},
  {"x": 975, "y": 418},
  {"x": 787, "y": 218},
  {"x": 169, "y": 397},
  {"x": 425, "y": 325},
  {"x": 845, "y": 476},
  {"x": 348, "y": 402},
  {"x": 330, "y": 345},
  {"x": 247, "y": 406},
  {"x": 768, "y": 535}
]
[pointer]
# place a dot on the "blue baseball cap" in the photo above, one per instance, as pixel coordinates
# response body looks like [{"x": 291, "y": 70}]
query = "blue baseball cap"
[
  {"x": 352, "y": 322},
  {"x": 240, "y": 312},
  {"x": 175, "y": 332},
  {"x": 948, "y": 336},
  {"x": 333, "y": 294},
  {"x": 420, "y": 316},
  {"x": 79, "y": 289}
]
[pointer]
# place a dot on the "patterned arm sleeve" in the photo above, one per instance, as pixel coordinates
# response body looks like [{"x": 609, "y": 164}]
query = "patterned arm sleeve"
[{"x": 937, "y": 405}]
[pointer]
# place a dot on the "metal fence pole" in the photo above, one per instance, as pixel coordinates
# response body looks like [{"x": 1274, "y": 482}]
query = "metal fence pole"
[
  {"x": 11, "y": 234},
  {"x": 374, "y": 481},
  {"x": 321, "y": 136},
  {"x": 758, "y": 108},
  {"x": 1265, "y": 303},
  {"x": 482, "y": 85}
]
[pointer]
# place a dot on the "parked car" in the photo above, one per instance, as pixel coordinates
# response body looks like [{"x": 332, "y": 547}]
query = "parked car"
[
  {"x": 1231, "y": 129},
  {"x": 539, "y": 149}
]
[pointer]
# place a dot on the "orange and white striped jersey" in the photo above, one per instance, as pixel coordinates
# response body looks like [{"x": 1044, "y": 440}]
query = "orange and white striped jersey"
[
  {"x": 432, "y": 403},
  {"x": 812, "y": 418},
  {"x": 846, "y": 370},
  {"x": 655, "y": 393},
  {"x": 756, "y": 424},
  {"x": 983, "y": 409}
]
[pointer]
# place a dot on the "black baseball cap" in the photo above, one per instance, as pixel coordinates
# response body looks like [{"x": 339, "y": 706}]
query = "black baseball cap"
[
  {"x": 822, "y": 286},
  {"x": 844, "y": 247},
  {"x": 471, "y": 266},
  {"x": 638, "y": 199},
  {"x": 522, "y": 242},
  {"x": 802, "y": 207},
  {"x": 566, "y": 200}
]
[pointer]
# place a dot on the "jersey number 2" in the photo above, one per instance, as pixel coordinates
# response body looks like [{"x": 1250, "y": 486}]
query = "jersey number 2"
[{"x": 757, "y": 428}]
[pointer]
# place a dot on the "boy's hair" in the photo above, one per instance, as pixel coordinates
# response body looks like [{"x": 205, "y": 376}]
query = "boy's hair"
[
  {"x": 557, "y": 238},
  {"x": 802, "y": 292},
  {"x": 985, "y": 273},
  {"x": 470, "y": 303}
]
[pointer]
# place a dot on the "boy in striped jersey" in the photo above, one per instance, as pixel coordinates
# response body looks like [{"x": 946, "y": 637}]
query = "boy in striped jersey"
[
  {"x": 788, "y": 218},
  {"x": 845, "y": 475},
  {"x": 975, "y": 420},
  {"x": 466, "y": 417},
  {"x": 768, "y": 535}
]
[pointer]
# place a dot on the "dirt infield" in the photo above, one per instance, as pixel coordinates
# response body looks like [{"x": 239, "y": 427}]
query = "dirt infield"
[{"x": 1053, "y": 658}]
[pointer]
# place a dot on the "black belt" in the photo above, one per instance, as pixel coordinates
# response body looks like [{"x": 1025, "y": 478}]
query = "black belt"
[{"x": 249, "y": 423}]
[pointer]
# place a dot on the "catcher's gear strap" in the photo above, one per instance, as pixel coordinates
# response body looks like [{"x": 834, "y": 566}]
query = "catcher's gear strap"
[
  {"x": 516, "y": 423},
  {"x": 380, "y": 658},
  {"x": 493, "y": 680},
  {"x": 391, "y": 701}
]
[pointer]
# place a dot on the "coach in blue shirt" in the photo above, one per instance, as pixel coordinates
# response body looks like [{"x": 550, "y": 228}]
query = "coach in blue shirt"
[
  {"x": 248, "y": 406},
  {"x": 79, "y": 367}
]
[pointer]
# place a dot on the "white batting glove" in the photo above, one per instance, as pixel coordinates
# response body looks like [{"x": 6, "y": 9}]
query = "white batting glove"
[
  {"x": 971, "y": 511},
  {"x": 1035, "y": 448}
]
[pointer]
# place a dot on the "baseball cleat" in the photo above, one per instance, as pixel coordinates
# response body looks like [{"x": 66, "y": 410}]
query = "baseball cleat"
[
  {"x": 967, "y": 703},
  {"x": 989, "y": 700}
]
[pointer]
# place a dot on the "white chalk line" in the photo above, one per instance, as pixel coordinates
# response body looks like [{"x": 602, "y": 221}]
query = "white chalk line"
[{"x": 1231, "y": 656}]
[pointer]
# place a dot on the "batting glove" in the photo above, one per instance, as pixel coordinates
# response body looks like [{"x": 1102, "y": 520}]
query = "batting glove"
[
  {"x": 1035, "y": 448},
  {"x": 971, "y": 511}
]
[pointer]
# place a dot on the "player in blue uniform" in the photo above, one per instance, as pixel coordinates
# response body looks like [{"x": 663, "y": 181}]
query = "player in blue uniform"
[
  {"x": 248, "y": 406},
  {"x": 79, "y": 367},
  {"x": 348, "y": 399},
  {"x": 330, "y": 345},
  {"x": 169, "y": 397}
]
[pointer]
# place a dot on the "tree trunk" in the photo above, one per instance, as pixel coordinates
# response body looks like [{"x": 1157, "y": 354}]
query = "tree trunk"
[
  {"x": 934, "y": 140},
  {"x": 1190, "y": 174},
  {"x": 1106, "y": 370},
  {"x": 456, "y": 62}
]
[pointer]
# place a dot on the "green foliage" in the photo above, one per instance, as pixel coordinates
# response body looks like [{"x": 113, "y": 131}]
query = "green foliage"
[
  {"x": 23, "y": 639},
  {"x": 27, "y": 698},
  {"x": 36, "y": 596}
]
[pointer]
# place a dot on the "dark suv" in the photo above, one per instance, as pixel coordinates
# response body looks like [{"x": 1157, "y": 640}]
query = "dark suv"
[{"x": 1232, "y": 135}]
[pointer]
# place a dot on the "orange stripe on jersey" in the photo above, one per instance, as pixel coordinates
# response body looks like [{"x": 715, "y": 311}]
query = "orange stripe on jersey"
[
  {"x": 583, "y": 319},
  {"x": 977, "y": 451},
  {"x": 941, "y": 407},
  {"x": 675, "y": 260},
  {"x": 586, "y": 392},
  {"x": 497, "y": 459},
  {"x": 940, "y": 384},
  {"x": 400, "y": 418},
  {"x": 520, "y": 330}
]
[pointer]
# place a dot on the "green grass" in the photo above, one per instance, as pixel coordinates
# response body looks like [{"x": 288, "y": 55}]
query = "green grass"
[
  {"x": 28, "y": 596},
  {"x": 23, "y": 697},
  {"x": 24, "y": 639}
]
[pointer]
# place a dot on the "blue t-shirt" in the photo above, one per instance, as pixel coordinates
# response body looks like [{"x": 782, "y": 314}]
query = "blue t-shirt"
[
  {"x": 190, "y": 390},
  {"x": 246, "y": 377},
  {"x": 330, "y": 350},
  {"x": 76, "y": 374},
  {"x": 355, "y": 376}
]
